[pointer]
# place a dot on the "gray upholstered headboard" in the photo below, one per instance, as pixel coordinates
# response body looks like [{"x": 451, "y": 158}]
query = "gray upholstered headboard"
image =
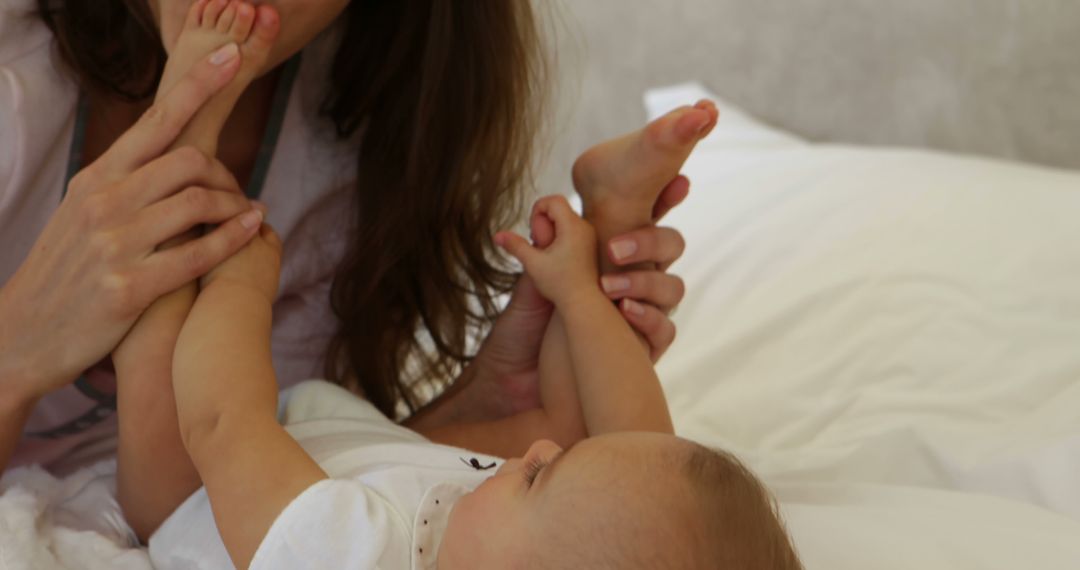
[{"x": 992, "y": 77}]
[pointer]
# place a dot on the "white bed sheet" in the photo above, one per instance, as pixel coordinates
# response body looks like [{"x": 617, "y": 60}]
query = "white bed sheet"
[{"x": 891, "y": 338}]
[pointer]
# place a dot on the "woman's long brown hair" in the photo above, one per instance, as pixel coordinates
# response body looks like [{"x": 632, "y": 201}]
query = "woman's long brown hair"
[{"x": 448, "y": 95}]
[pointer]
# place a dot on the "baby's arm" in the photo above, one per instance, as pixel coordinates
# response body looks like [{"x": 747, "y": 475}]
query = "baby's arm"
[
  {"x": 226, "y": 395},
  {"x": 586, "y": 336},
  {"x": 616, "y": 383},
  {"x": 558, "y": 417},
  {"x": 154, "y": 472}
]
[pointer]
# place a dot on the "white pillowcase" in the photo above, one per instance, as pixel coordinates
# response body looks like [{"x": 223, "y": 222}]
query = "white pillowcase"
[{"x": 867, "y": 324}]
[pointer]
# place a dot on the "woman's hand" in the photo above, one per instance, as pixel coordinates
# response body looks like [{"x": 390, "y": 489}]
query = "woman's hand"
[
  {"x": 94, "y": 268},
  {"x": 650, "y": 296},
  {"x": 503, "y": 380}
]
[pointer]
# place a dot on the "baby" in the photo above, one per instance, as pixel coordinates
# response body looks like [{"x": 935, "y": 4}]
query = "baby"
[{"x": 341, "y": 486}]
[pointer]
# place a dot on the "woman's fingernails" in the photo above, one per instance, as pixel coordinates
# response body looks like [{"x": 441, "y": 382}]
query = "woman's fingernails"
[
  {"x": 225, "y": 54},
  {"x": 623, "y": 249},
  {"x": 633, "y": 307},
  {"x": 252, "y": 219},
  {"x": 615, "y": 284}
]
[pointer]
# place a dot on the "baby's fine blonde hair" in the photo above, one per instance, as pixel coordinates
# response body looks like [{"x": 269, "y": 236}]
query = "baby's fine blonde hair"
[
  {"x": 741, "y": 523},
  {"x": 705, "y": 510}
]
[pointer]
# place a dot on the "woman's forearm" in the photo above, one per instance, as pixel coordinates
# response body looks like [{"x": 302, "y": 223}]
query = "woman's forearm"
[
  {"x": 15, "y": 409},
  {"x": 27, "y": 369},
  {"x": 17, "y": 399},
  {"x": 21, "y": 382}
]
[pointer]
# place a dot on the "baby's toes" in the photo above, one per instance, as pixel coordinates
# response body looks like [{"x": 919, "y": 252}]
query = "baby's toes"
[
  {"x": 693, "y": 126},
  {"x": 195, "y": 15},
  {"x": 212, "y": 12},
  {"x": 681, "y": 127},
  {"x": 264, "y": 33},
  {"x": 714, "y": 114},
  {"x": 244, "y": 21},
  {"x": 225, "y": 22}
]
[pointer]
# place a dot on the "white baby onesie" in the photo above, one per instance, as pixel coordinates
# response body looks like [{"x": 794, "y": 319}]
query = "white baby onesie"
[{"x": 385, "y": 506}]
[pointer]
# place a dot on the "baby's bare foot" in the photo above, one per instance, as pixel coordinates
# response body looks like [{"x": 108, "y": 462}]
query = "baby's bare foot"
[
  {"x": 620, "y": 180},
  {"x": 628, "y": 173},
  {"x": 211, "y": 25}
]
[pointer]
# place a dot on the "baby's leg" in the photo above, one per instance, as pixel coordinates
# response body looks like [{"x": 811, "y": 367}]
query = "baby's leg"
[
  {"x": 154, "y": 473},
  {"x": 620, "y": 180}
]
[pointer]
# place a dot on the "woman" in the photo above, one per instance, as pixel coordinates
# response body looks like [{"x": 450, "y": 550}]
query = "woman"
[{"x": 365, "y": 131}]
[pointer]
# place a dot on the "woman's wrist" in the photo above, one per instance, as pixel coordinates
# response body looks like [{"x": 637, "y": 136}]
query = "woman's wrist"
[
  {"x": 17, "y": 389},
  {"x": 14, "y": 412},
  {"x": 23, "y": 371},
  {"x": 19, "y": 382}
]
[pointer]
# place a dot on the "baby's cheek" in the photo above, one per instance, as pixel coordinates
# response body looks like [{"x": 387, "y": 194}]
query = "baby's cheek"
[
  {"x": 462, "y": 515},
  {"x": 482, "y": 507},
  {"x": 465, "y": 529}
]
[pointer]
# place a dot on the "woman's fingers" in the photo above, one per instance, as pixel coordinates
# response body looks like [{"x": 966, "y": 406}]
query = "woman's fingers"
[
  {"x": 650, "y": 287},
  {"x": 671, "y": 196},
  {"x": 190, "y": 261},
  {"x": 662, "y": 246},
  {"x": 156, "y": 130},
  {"x": 186, "y": 209},
  {"x": 179, "y": 169},
  {"x": 657, "y": 329}
]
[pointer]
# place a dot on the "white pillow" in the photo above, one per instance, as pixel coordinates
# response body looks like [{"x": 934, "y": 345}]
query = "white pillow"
[{"x": 881, "y": 317}]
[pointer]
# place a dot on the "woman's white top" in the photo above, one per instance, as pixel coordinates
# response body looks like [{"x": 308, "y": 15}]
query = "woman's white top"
[
  {"x": 307, "y": 189},
  {"x": 385, "y": 506}
]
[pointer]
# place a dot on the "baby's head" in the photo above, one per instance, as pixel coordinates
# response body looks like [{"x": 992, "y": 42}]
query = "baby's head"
[{"x": 628, "y": 500}]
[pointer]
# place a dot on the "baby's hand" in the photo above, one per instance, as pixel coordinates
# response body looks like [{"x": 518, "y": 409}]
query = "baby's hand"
[
  {"x": 566, "y": 267},
  {"x": 256, "y": 267}
]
